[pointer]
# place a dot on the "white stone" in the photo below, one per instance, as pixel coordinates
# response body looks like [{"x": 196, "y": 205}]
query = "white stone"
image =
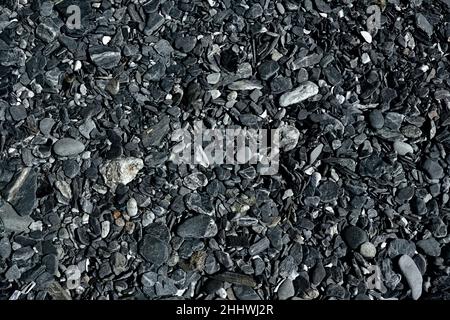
[
  {"x": 367, "y": 36},
  {"x": 132, "y": 207},
  {"x": 122, "y": 171}
]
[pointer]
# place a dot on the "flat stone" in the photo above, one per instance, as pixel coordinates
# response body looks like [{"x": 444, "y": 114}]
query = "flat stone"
[
  {"x": 67, "y": 147},
  {"x": 104, "y": 57},
  {"x": 154, "y": 22},
  {"x": 10, "y": 221},
  {"x": 259, "y": 246},
  {"x": 154, "y": 136},
  {"x": 244, "y": 85},
  {"x": 18, "y": 113},
  {"x": 200, "y": 226},
  {"x": 433, "y": 169},
  {"x": 185, "y": 43},
  {"x": 47, "y": 30},
  {"x": 286, "y": 290},
  {"x": 280, "y": 85},
  {"x": 305, "y": 91},
  {"x": 430, "y": 247},
  {"x": 412, "y": 275},
  {"x": 5, "y": 247}
]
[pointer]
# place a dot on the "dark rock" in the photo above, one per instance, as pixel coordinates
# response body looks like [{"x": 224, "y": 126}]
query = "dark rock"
[{"x": 354, "y": 236}]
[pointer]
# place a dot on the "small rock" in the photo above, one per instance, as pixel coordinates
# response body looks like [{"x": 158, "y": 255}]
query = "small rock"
[
  {"x": 368, "y": 250},
  {"x": 154, "y": 250},
  {"x": 430, "y": 247},
  {"x": 367, "y": 36},
  {"x": 268, "y": 69},
  {"x": 132, "y": 208},
  {"x": 286, "y": 290},
  {"x": 354, "y": 236},
  {"x": 200, "y": 226},
  {"x": 423, "y": 24},
  {"x": 402, "y": 148},
  {"x": 433, "y": 169},
  {"x": 376, "y": 119}
]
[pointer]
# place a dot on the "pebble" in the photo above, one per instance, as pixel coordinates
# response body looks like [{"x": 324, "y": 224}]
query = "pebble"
[
  {"x": 367, "y": 36},
  {"x": 354, "y": 236},
  {"x": 67, "y": 147},
  {"x": 376, "y": 119},
  {"x": 433, "y": 169},
  {"x": 401, "y": 247},
  {"x": 105, "y": 57},
  {"x": 430, "y": 247},
  {"x": 132, "y": 207},
  {"x": 368, "y": 250},
  {"x": 412, "y": 275},
  {"x": 403, "y": 148}
]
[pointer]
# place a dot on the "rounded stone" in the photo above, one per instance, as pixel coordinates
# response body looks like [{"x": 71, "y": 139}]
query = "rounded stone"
[
  {"x": 376, "y": 119},
  {"x": 354, "y": 236},
  {"x": 368, "y": 250},
  {"x": 68, "y": 147}
]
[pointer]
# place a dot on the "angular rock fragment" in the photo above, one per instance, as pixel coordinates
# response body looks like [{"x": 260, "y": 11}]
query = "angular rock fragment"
[
  {"x": 305, "y": 91},
  {"x": 21, "y": 192},
  {"x": 121, "y": 171}
]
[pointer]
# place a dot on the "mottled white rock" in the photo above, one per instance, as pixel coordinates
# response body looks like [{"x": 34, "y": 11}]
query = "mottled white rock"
[
  {"x": 122, "y": 171},
  {"x": 367, "y": 36},
  {"x": 305, "y": 91}
]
